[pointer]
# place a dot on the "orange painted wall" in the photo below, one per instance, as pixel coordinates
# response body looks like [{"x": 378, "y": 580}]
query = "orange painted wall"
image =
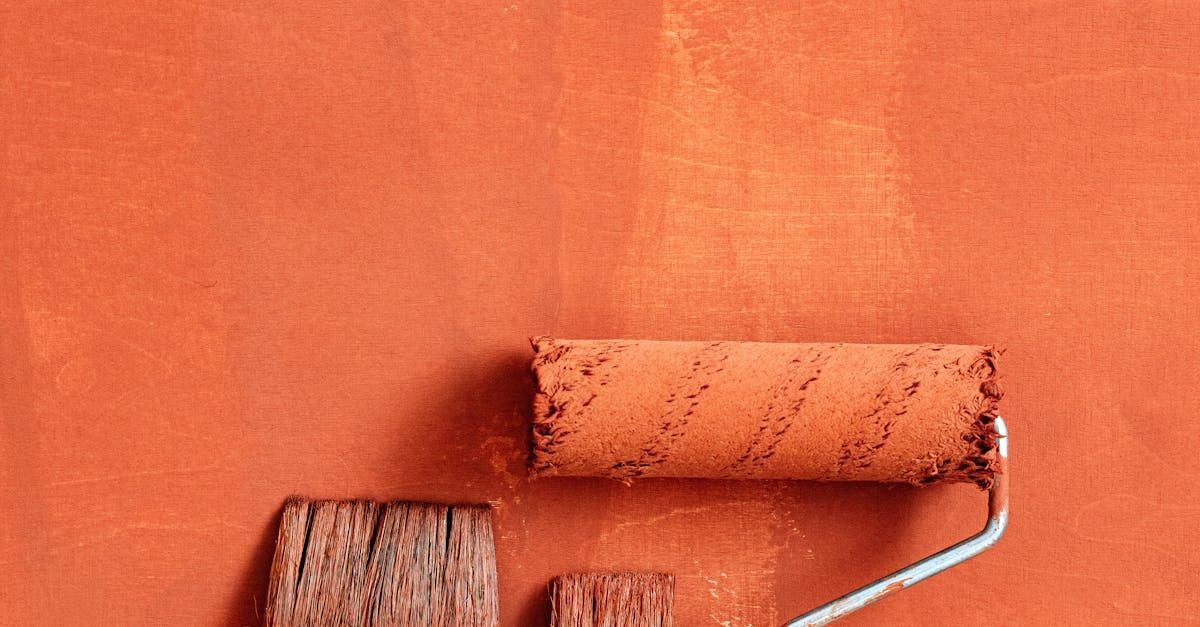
[{"x": 252, "y": 249}]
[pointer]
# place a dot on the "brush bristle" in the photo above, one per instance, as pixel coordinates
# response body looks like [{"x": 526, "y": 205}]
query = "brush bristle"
[
  {"x": 358, "y": 563},
  {"x": 612, "y": 600}
]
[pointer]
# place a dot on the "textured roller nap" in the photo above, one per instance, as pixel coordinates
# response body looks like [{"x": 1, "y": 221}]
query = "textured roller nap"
[{"x": 747, "y": 410}]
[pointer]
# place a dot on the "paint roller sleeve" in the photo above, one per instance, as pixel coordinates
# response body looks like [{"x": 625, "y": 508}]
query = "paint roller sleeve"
[{"x": 750, "y": 410}]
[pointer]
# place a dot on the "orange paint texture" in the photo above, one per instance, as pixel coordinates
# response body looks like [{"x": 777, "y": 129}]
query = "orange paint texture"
[
  {"x": 254, "y": 249},
  {"x": 631, "y": 409}
]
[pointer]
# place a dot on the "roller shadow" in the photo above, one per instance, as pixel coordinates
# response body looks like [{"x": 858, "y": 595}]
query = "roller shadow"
[{"x": 484, "y": 408}]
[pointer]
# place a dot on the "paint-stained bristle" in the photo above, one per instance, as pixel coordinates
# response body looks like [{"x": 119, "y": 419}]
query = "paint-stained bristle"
[
  {"x": 469, "y": 587},
  {"x": 335, "y": 560},
  {"x": 612, "y": 600},
  {"x": 357, "y": 563},
  {"x": 285, "y": 568},
  {"x": 408, "y": 564}
]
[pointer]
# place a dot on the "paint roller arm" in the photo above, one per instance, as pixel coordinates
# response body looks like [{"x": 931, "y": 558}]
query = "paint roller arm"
[{"x": 934, "y": 564}]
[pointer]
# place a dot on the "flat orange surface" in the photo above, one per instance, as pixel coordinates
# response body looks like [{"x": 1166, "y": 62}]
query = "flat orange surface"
[{"x": 252, "y": 249}]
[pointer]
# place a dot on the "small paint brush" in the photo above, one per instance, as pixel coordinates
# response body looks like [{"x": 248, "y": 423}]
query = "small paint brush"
[
  {"x": 362, "y": 563},
  {"x": 612, "y": 600}
]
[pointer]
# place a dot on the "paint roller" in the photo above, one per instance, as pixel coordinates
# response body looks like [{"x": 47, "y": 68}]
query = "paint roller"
[{"x": 917, "y": 414}]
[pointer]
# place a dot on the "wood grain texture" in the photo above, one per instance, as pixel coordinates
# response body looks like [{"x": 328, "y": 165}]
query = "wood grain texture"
[{"x": 252, "y": 249}]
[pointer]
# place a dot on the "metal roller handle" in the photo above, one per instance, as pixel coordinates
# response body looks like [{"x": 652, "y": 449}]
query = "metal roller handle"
[{"x": 934, "y": 564}]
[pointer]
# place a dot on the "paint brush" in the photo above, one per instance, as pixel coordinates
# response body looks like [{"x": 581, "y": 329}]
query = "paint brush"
[
  {"x": 612, "y": 600},
  {"x": 362, "y": 563}
]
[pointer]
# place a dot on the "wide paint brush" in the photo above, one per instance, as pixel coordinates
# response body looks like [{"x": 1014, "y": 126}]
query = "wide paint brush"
[{"x": 361, "y": 563}]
